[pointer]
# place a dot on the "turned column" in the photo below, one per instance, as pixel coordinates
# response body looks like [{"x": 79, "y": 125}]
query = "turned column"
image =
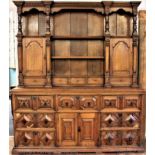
[
  {"x": 48, "y": 44},
  {"x": 19, "y": 43},
  {"x": 135, "y": 48},
  {"x": 107, "y": 47}
]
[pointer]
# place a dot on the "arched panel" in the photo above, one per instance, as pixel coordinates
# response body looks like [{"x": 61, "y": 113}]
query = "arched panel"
[
  {"x": 34, "y": 53},
  {"x": 121, "y": 62},
  {"x": 120, "y": 58}
]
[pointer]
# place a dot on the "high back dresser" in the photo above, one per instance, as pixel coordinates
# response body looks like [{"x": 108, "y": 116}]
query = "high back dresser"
[{"x": 79, "y": 78}]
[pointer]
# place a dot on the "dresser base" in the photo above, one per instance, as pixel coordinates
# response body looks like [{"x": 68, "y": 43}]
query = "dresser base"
[{"x": 50, "y": 151}]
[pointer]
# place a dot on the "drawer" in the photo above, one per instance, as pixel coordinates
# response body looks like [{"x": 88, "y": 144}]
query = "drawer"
[
  {"x": 111, "y": 120},
  {"x": 110, "y": 102},
  {"x": 131, "y": 120},
  {"x": 34, "y": 138},
  {"x": 23, "y": 102},
  {"x": 77, "y": 102},
  {"x": 28, "y": 120},
  {"x": 111, "y": 138},
  {"x": 120, "y": 138},
  {"x": 67, "y": 102},
  {"x": 131, "y": 138},
  {"x": 131, "y": 102},
  {"x": 45, "y": 102},
  {"x": 89, "y": 102},
  {"x": 33, "y": 102}
]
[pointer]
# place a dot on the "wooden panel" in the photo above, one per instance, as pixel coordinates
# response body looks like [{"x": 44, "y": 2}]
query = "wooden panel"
[
  {"x": 95, "y": 81},
  {"x": 24, "y": 25},
  {"x": 59, "y": 81},
  {"x": 110, "y": 102},
  {"x": 122, "y": 25},
  {"x": 45, "y": 102},
  {"x": 131, "y": 102},
  {"x": 113, "y": 24},
  {"x": 95, "y": 24},
  {"x": 61, "y": 48},
  {"x": 42, "y": 24},
  {"x": 34, "y": 63},
  {"x": 78, "y": 68},
  {"x": 61, "y": 68},
  {"x": 78, "y": 48},
  {"x": 95, "y": 48},
  {"x": 23, "y": 102},
  {"x": 111, "y": 120},
  {"x": 111, "y": 138},
  {"x": 33, "y": 25},
  {"x": 62, "y": 24},
  {"x": 95, "y": 68},
  {"x": 67, "y": 129},
  {"x": 89, "y": 102},
  {"x": 67, "y": 102},
  {"x": 88, "y": 129},
  {"x": 79, "y": 24},
  {"x": 77, "y": 81},
  {"x": 34, "y": 139},
  {"x": 121, "y": 62},
  {"x": 31, "y": 82}
]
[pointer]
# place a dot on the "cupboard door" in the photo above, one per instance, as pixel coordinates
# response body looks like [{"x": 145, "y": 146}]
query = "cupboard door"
[
  {"x": 34, "y": 63},
  {"x": 121, "y": 62},
  {"x": 67, "y": 129},
  {"x": 88, "y": 129}
]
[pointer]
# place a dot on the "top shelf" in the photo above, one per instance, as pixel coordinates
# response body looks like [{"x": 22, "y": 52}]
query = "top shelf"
[{"x": 77, "y": 37}]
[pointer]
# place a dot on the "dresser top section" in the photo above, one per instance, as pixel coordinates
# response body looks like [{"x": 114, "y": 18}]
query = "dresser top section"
[{"x": 77, "y": 3}]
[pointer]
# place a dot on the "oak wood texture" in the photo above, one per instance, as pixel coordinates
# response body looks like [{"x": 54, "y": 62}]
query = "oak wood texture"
[{"x": 78, "y": 87}]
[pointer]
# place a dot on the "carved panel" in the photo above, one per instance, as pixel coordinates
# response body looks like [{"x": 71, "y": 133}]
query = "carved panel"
[
  {"x": 109, "y": 102},
  {"x": 131, "y": 102},
  {"x": 111, "y": 120},
  {"x": 45, "y": 102},
  {"x": 45, "y": 120},
  {"x": 89, "y": 102},
  {"x": 34, "y": 63},
  {"x": 111, "y": 138},
  {"x": 23, "y": 102},
  {"x": 24, "y": 120},
  {"x": 130, "y": 138},
  {"x": 121, "y": 62},
  {"x": 131, "y": 120},
  {"x": 34, "y": 139},
  {"x": 88, "y": 129},
  {"x": 67, "y": 102},
  {"x": 67, "y": 129}
]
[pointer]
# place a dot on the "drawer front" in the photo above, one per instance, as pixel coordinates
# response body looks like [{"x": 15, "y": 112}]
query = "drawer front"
[
  {"x": 28, "y": 120},
  {"x": 45, "y": 102},
  {"x": 77, "y": 102},
  {"x": 89, "y": 102},
  {"x": 34, "y": 138},
  {"x": 111, "y": 120},
  {"x": 33, "y": 102},
  {"x": 131, "y": 102},
  {"x": 110, "y": 102},
  {"x": 120, "y": 138},
  {"x": 23, "y": 102},
  {"x": 131, "y": 120},
  {"x": 67, "y": 102}
]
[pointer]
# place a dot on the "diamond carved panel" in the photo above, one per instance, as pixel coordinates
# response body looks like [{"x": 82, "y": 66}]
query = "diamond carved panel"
[{"x": 111, "y": 120}]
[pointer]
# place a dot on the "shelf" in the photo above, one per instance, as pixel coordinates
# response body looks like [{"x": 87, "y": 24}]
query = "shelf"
[
  {"x": 79, "y": 57},
  {"x": 77, "y": 37}
]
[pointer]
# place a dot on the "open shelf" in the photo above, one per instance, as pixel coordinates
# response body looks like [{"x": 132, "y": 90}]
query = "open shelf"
[
  {"x": 77, "y": 37},
  {"x": 78, "y": 57}
]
